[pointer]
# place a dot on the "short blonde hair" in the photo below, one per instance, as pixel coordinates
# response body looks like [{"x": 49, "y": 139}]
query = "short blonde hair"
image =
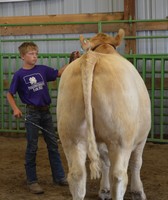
[{"x": 27, "y": 46}]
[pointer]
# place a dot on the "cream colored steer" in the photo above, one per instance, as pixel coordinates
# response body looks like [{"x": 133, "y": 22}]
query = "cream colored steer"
[{"x": 103, "y": 112}]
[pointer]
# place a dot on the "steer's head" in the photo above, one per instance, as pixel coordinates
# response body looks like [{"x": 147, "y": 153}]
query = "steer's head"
[{"x": 102, "y": 38}]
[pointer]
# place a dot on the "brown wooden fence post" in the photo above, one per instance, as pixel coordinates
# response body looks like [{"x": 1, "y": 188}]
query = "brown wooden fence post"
[{"x": 129, "y": 14}]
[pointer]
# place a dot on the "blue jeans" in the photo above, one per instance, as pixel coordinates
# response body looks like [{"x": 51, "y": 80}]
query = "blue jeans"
[{"x": 42, "y": 118}]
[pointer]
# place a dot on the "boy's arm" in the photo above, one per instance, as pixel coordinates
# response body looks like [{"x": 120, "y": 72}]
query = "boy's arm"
[
  {"x": 16, "y": 111},
  {"x": 74, "y": 55},
  {"x": 60, "y": 71}
]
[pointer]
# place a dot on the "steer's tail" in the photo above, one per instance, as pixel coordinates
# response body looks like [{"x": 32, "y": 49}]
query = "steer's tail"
[{"x": 87, "y": 68}]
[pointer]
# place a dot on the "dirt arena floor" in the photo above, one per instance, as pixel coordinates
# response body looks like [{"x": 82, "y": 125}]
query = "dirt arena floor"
[{"x": 154, "y": 173}]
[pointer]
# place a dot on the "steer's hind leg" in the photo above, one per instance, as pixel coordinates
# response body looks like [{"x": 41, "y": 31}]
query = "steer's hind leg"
[
  {"x": 137, "y": 192},
  {"x": 76, "y": 156},
  {"x": 119, "y": 158},
  {"x": 104, "y": 191}
]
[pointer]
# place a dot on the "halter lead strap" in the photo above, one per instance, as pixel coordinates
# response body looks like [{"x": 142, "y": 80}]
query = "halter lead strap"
[{"x": 102, "y": 44}]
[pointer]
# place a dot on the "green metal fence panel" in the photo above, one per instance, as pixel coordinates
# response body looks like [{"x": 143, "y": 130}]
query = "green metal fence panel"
[
  {"x": 152, "y": 68},
  {"x": 154, "y": 71}
]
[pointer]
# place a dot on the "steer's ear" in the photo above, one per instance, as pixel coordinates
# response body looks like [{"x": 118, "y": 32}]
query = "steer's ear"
[
  {"x": 85, "y": 44},
  {"x": 119, "y": 37}
]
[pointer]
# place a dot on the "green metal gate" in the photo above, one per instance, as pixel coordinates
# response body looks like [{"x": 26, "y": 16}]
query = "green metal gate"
[{"x": 152, "y": 68}]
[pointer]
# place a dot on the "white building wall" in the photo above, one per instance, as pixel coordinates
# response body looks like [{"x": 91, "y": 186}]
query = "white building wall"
[
  {"x": 145, "y": 9},
  {"x": 152, "y": 9}
]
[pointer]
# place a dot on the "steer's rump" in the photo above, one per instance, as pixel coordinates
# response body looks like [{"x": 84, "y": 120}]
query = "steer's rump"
[{"x": 119, "y": 97}]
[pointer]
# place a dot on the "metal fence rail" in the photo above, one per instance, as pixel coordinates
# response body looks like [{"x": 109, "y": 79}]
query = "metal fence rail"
[{"x": 152, "y": 68}]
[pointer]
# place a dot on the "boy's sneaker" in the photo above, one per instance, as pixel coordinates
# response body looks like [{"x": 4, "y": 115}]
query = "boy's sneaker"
[
  {"x": 62, "y": 182},
  {"x": 35, "y": 188}
]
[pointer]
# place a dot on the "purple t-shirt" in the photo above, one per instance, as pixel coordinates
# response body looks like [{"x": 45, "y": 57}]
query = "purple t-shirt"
[{"x": 31, "y": 84}]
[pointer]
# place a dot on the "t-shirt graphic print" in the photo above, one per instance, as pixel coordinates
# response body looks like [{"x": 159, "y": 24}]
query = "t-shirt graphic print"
[{"x": 34, "y": 82}]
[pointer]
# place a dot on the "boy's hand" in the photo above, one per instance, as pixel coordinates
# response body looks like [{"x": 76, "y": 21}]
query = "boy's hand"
[
  {"x": 74, "y": 55},
  {"x": 61, "y": 70},
  {"x": 17, "y": 113}
]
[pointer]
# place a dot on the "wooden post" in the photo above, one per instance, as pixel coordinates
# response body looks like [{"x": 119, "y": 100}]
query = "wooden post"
[{"x": 129, "y": 13}]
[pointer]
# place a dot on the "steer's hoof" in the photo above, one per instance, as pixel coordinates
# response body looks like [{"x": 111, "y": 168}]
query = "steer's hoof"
[
  {"x": 104, "y": 195},
  {"x": 137, "y": 196}
]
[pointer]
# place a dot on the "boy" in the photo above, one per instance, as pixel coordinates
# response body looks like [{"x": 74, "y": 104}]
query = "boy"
[{"x": 30, "y": 82}]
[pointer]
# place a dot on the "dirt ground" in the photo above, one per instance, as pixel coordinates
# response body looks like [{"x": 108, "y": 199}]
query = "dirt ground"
[{"x": 154, "y": 173}]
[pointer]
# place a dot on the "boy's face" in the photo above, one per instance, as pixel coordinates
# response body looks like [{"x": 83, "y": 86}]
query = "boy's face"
[{"x": 30, "y": 58}]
